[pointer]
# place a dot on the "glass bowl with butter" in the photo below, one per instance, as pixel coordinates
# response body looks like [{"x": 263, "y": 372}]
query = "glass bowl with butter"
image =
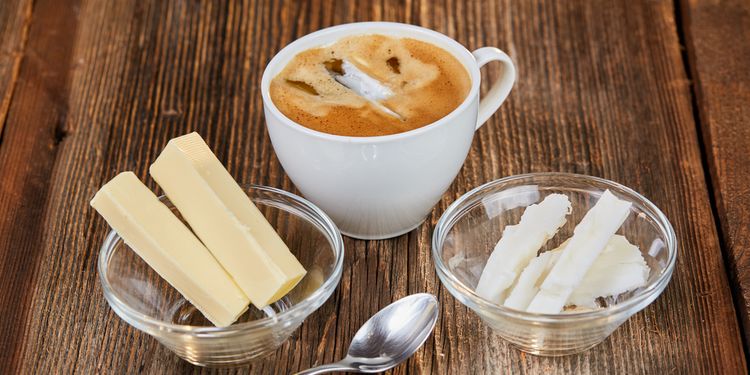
[
  {"x": 147, "y": 302},
  {"x": 472, "y": 227}
]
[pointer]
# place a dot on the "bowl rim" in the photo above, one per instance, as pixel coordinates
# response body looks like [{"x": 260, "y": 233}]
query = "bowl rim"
[
  {"x": 301, "y": 309},
  {"x": 454, "y": 285}
]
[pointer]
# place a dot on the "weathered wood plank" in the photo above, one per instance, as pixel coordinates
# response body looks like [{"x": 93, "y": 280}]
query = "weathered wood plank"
[
  {"x": 717, "y": 35},
  {"x": 15, "y": 16},
  {"x": 602, "y": 90},
  {"x": 607, "y": 95},
  {"x": 35, "y": 127}
]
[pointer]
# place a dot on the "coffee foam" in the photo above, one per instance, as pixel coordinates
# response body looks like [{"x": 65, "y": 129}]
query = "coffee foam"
[{"x": 423, "y": 83}]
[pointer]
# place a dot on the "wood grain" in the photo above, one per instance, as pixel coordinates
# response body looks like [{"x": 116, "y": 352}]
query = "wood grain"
[
  {"x": 717, "y": 35},
  {"x": 27, "y": 154},
  {"x": 15, "y": 17},
  {"x": 602, "y": 90}
]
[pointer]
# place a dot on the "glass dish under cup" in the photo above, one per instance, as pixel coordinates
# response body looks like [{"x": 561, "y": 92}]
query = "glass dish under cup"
[
  {"x": 147, "y": 302},
  {"x": 469, "y": 229}
]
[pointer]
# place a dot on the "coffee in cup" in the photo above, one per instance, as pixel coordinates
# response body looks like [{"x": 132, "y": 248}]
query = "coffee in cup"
[
  {"x": 370, "y": 85},
  {"x": 378, "y": 186}
]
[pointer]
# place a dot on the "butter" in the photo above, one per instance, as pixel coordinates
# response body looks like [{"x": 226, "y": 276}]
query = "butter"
[
  {"x": 168, "y": 246},
  {"x": 224, "y": 218},
  {"x": 590, "y": 237}
]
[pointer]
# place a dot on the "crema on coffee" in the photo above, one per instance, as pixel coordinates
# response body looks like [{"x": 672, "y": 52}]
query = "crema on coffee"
[{"x": 370, "y": 85}]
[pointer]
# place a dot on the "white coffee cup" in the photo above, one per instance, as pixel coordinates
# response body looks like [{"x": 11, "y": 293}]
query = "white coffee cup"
[{"x": 382, "y": 187}]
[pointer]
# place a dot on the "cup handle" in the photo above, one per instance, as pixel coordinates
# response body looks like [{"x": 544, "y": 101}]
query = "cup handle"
[{"x": 489, "y": 104}]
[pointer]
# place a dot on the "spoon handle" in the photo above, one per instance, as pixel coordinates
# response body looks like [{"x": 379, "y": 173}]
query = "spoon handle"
[{"x": 333, "y": 367}]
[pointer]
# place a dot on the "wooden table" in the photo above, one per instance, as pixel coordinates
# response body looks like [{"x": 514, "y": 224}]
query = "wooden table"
[{"x": 652, "y": 94}]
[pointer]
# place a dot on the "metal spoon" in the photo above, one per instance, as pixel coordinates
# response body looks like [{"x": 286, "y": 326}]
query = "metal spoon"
[{"x": 388, "y": 337}]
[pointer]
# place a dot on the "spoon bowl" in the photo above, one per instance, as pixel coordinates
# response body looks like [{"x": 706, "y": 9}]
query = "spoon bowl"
[
  {"x": 395, "y": 332},
  {"x": 389, "y": 337}
]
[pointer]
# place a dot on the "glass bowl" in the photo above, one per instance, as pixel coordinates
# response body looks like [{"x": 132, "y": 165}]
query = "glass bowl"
[
  {"x": 467, "y": 232},
  {"x": 145, "y": 301}
]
